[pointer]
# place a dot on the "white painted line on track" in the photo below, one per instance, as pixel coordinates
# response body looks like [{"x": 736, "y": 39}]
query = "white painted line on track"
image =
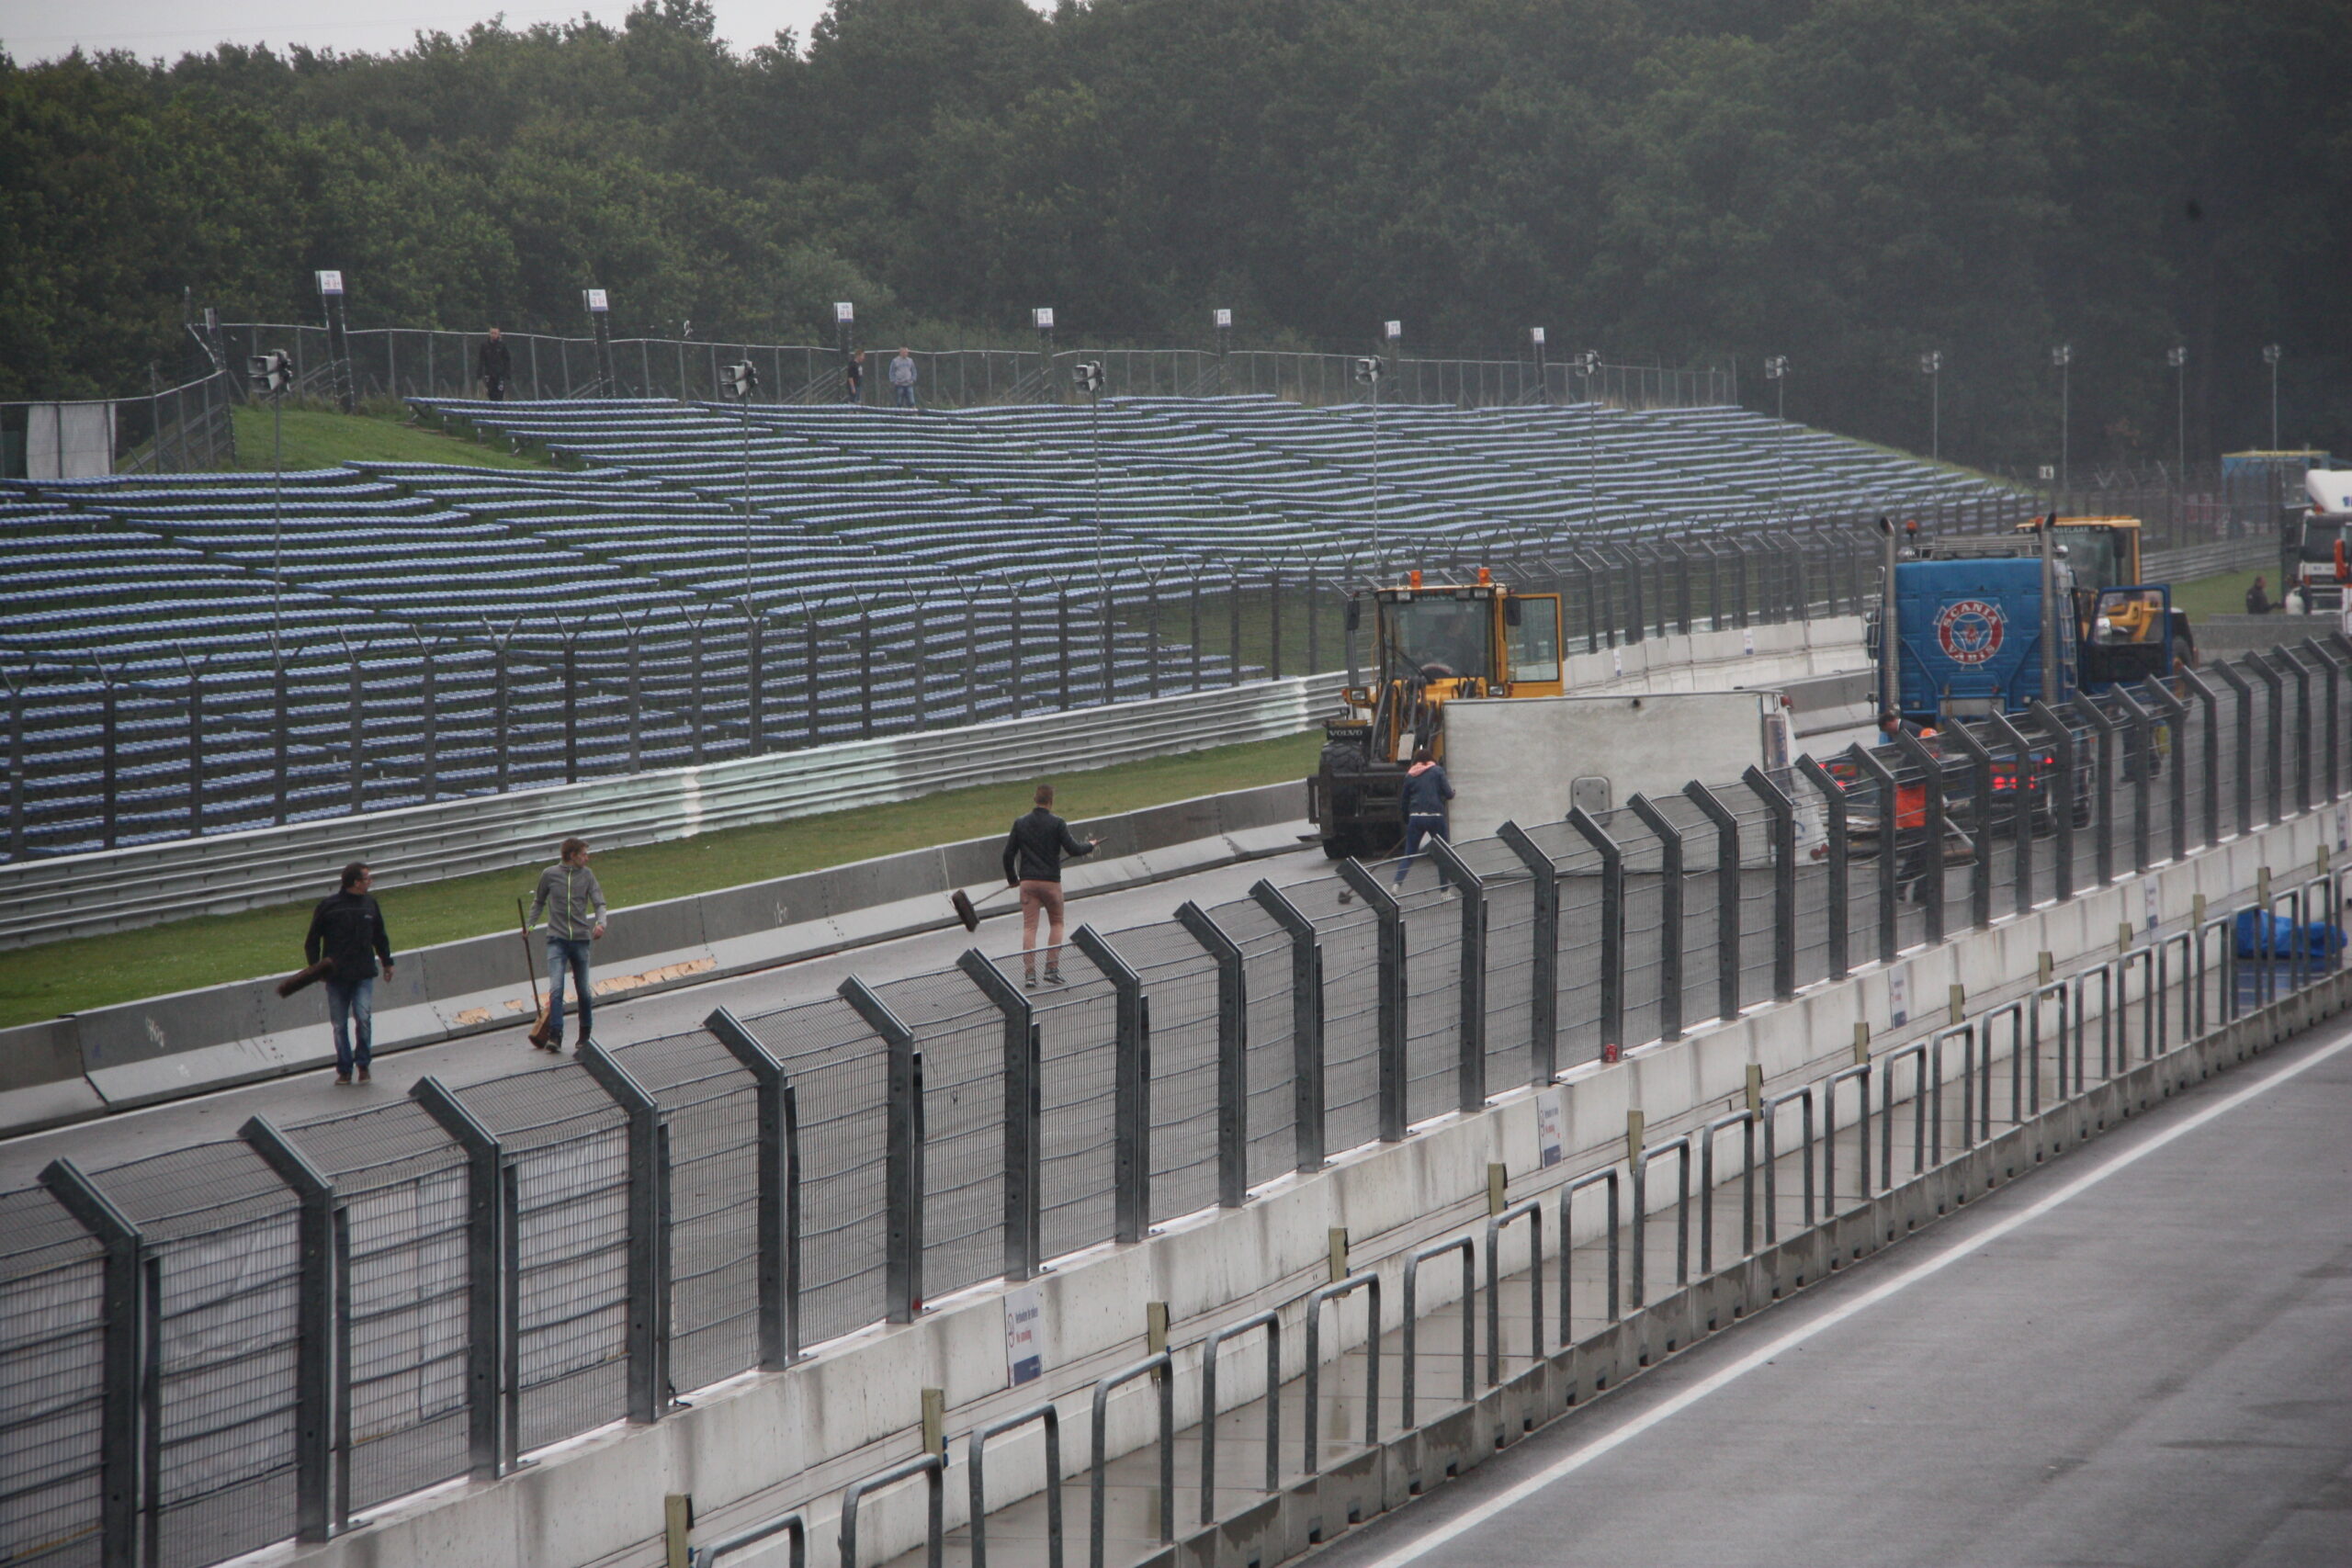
[{"x": 1568, "y": 1465}]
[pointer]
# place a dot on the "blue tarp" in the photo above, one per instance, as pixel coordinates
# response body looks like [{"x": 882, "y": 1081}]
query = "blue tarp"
[{"x": 2317, "y": 939}]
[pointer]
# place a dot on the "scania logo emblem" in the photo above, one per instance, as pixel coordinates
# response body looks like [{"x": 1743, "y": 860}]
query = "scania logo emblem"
[{"x": 1970, "y": 631}]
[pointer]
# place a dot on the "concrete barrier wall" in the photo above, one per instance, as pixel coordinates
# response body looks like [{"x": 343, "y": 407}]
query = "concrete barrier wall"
[
  {"x": 168, "y": 1047},
  {"x": 763, "y": 1443}
]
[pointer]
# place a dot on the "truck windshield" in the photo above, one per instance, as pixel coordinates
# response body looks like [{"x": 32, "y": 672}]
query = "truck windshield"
[
  {"x": 1437, "y": 639},
  {"x": 2319, "y": 540}
]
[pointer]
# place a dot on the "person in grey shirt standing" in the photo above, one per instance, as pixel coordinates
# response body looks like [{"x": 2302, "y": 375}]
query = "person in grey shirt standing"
[
  {"x": 575, "y": 911},
  {"x": 902, "y": 379}
]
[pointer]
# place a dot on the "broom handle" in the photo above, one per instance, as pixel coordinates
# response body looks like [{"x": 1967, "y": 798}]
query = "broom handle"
[{"x": 523, "y": 919}]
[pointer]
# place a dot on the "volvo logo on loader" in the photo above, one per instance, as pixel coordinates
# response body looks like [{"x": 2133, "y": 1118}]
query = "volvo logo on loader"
[{"x": 1970, "y": 631}]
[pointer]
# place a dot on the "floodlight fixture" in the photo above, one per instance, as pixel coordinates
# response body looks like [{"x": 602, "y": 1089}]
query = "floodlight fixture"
[
  {"x": 1087, "y": 376},
  {"x": 739, "y": 380}
]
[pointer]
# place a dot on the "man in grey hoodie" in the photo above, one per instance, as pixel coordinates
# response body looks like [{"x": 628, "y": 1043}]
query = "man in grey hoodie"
[{"x": 575, "y": 911}]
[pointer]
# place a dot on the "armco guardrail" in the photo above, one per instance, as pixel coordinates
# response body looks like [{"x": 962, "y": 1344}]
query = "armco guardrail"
[
  {"x": 43, "y": 900},
  {"x": 2191, "y": 562}
]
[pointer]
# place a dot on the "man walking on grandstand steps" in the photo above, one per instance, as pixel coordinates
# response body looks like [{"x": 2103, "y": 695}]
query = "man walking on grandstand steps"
[
  {"x": 1033, "y": 860},
  {"x": 902, "y": 379},
  {"x": 568, "y": 891},
  {"x": 854, "y": 378},
  {"x": 348, "y": 931},
  {"x": 497, "y": 364}
]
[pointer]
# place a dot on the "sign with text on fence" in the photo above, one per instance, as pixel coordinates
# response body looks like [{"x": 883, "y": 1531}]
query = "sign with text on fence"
[
  {"x": 2148, "y": 900},
  {"x": 2344, "y": 828},
  {"x": 1549, "y": 1146},
  {"x": 1898, "y": 994},
  {"x": 1024, "y": 1341}
]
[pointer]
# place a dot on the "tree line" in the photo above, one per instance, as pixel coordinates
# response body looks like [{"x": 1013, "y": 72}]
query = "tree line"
[{"x": 1849, "y": 183}]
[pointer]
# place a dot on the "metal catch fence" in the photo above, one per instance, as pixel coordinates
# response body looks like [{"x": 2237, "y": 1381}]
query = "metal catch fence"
[{"x": 217, "y": 1347}]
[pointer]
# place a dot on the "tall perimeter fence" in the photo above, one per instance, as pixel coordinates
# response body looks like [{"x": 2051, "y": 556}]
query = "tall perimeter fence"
[
  {"x": 316, "y": 729},
  {"x": 418, "y": 362},
  {"x": 217, "y": 1347},
  {"x": 181, "y": 429}
]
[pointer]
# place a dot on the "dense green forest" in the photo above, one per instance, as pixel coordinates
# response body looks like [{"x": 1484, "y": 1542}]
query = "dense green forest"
[{"x": 1847, "y": 182}]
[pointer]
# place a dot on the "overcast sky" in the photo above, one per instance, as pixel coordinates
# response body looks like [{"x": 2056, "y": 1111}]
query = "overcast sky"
[{"x": 43, "y": 30}]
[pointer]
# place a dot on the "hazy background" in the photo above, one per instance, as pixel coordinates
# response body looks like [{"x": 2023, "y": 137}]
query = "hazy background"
[{"x": 43, "y": 30}]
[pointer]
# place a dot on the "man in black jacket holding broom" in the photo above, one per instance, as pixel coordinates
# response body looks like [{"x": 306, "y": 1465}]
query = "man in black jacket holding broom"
[{"x": 347, "y": 930}]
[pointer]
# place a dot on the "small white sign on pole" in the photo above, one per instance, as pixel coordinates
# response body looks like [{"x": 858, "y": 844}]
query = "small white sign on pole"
[
  {"x": 1025, "y": 1339},
  {"x": 1045, "y": 315},
  {"x": 1898, "y": 994},
  {"x": 330, "y": 283},
  {"x": 1224, "y": 318},
  {"x": 2148, "y": 902},
  {"x": 595, "y": 300},
  {"x": 1747, "y": 641},
  {"x": 1396, "y": 330},
  {"x": 1617, "y": 660},
  {"x": 1549, "y": 1146},
  {"x": 844, "y": 311}
]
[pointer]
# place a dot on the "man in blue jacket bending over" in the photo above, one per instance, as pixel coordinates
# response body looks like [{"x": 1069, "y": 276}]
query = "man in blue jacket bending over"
[{"x": 1426, "y": 791}]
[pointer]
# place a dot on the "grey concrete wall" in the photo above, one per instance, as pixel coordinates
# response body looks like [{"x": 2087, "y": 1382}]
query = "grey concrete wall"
[{"x": 168, "y": 1047}]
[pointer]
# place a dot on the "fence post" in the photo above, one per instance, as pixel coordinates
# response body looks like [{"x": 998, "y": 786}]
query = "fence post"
[
  {"x": 755, "y": 678},
  {"x": 2333, "y": 672},
  {"x": 315, "y": 1391},
  {"x": 17, "y": 763},
  {"x": 1670, "y": 947},
  {"x": 1131, "y": 1089},
  {"x": 2175, "y": 714},
  {"x": 779, "y": 1222},
  {"x": 1023, "y": 1107},
  {"x": 123, "y": 1310},
  {"x": 902, "y": 1153},
  {"x": 2140, "y": 759},
  {"x": 1612, "y": 930},
  {"x": 195, "y": 704},
  {"x": 354, "y": 728},
  {"x": 2288, "y": 664},
  {"x": 2236, "y": 681},
  {"x": 1890, "y": 941},
  {"x": 648, "y": 1232},
  {"x": 500, "y": 706},
  {"x": 1934, "y": 829},
  {"x": 2025, "y": 768},
  {"x": 2103, "y": 785},
  {"x": 1233, "y": 627},
  {"x": 1839, "y": 895},
  {"x": 1980, "y": 881},
  {"x": 1785, "y": 878},
  {"x": 1306, "y": 1023},
  {"x": 1232, "y": 1054},
  {"x": 1393, "y": 1071},
  {"x": 109, "y": 757},
  {"x": 428, "y": 681},
  {"x": 2276, "y": 728},
  {"x": 485, "y": 1268},
  {"x": 1543, "y": 938},
  {"x": 2062, "y": 793},
  {"x": 1471, "y": 1073},
  {"x": 1727, "y": 894}
]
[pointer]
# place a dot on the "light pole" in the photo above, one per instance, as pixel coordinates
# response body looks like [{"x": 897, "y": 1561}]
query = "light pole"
[
  {"x": 1369, "y": 371},
  {"x": 1543, "y": 376},
  {"x": 2062, "y": 356},
  {"x": 1931, "y": 366},
  {"x": 2177, "y": 357},
  {"x": 738, "y": 382},
  {"x": 2270, "y": 357},
  {"x": 1776, "y": 370},
  {"x": 1087, "y": 376},
  {"x": 1042, "y": 318},
  {"x": 1585, "y": 363},
  {"x": 270, "y": 375}
]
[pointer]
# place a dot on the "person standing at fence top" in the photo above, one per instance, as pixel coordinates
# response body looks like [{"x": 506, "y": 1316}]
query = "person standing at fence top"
[
  {"x": 347, "y": 930},
  {"x": 568, "y": 891},
  {"x": 902, "y": 379},
  {"x": 854, "y": 378},
  {"x": 1033, "y": 862},
  {"x": 497, "y": 364}
]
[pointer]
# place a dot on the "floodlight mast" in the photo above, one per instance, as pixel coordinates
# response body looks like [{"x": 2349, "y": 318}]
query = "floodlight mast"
[
  {"x": 2177, "y": 357},
  {"x": 1931, "y": 366},
  {"x": 2062, "y": 356},
  {"x": 1087, "y": 374},
  {"x": 269, "y": 375},
  {"x": 2270, "y": 357},
  {"x": 740, "y": 382}
]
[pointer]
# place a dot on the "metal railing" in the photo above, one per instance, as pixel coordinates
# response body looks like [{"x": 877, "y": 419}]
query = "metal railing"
[{"x": 538, "y": 1255}]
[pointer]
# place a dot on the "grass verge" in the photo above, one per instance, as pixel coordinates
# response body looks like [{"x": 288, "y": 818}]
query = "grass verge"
[
  {"x": 320, "y": 438},
  {"x": 99, "y": 971},
  {"x": 2222, "y": 595}
]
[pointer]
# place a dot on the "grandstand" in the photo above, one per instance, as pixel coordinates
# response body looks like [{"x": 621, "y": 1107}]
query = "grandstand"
[{"x": 443, "y": 631}]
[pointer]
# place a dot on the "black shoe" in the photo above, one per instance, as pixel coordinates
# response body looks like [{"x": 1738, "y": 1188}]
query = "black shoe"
[
  {"x": 1054, "y": 978},
  {"x": 363, "y": 1075}
]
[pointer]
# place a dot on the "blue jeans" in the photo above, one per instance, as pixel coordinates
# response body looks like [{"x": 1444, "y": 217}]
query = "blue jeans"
[
  {"x": 905, "y": 396},
  {"x": 1415, "y": 829},
  {"x": 351, "y": 1005},
  {"x": 568, "y": 953}
]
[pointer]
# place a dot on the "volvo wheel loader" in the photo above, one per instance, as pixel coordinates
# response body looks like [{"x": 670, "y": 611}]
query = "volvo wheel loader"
[{"x": 1431, "y": 644}]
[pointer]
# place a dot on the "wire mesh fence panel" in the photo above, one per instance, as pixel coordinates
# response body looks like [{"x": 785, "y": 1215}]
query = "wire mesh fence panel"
[
  {"x": 1270, "y": 1057},
  {"x": 403, "y": 1185},
  {"x": 222, "y": 1230},
  {"x": 1349, "y": 937},
  {"x": 840, "y": 1072},
  {"x": 1645, "y": 934},
  {"x": 710, "y": 1104},
  {"x": 1577, "y": 868},
  {"x": 1702, "y": 900},
  {"x": 2228, "y": 715},
  {"x": 1811, "y": 929},
  {"x": 1758, "y": 914},
  {"x": 1180, "y": 980},
  {"x": 1432, "y": 916},
  {"x": 1077, "y": 1056},
  {"x": 52, "y": 1326},
  {"x": 961, "y": 1035},
  {"x": 1510, "y": 962},
  {"x": 2263, "y": 708},
  {"x": 566, "y": 1151}
]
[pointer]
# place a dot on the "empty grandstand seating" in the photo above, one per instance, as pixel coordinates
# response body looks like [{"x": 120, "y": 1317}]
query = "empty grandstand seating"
[{"x": 196, "y": 652}]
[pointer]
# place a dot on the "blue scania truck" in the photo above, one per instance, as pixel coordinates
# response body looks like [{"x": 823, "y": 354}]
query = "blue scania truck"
[{"x": 1988, "y": 624}]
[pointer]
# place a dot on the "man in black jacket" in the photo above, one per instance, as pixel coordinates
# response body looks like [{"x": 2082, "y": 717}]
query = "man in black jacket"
[
  {"x": 497, "y": 364},
  {"x": 348, "y": 929},
  {"x": 1032, "y": 860}
]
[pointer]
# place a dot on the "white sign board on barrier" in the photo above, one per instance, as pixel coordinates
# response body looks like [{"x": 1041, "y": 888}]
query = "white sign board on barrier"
[{"x": 1025, "y": 1339}]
